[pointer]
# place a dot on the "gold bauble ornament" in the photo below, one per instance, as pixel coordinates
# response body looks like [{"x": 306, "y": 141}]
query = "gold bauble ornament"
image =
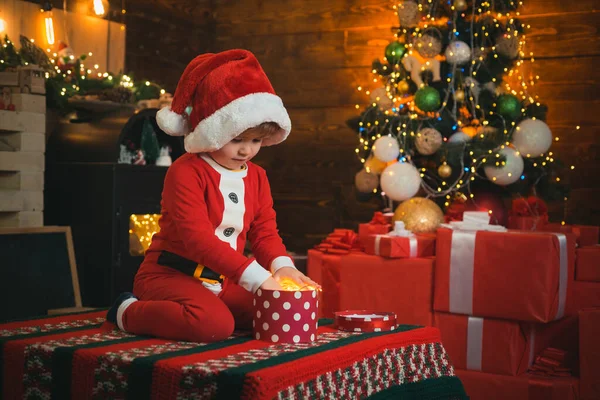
[
  {"x": 460, "y": 5},
  {"x": 403, "y": 87},
  {"x": 420, "y": 215},
  {"x": 374, "y": 165},
  {"x": 444, "y": 171},
  {"x": 459, "y": 96}
]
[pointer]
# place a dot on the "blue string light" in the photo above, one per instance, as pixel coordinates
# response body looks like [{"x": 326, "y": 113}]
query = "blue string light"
[
  {"x": 466, "y": 169},
  {"x": 522, "y": 177}
]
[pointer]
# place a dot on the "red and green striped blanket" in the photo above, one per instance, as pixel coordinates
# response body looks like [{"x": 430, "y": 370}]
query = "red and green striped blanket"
[{"x": 79, "y": 356}]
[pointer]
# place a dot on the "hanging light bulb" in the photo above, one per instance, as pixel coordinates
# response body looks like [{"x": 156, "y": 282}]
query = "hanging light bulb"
[
  {"x": 48, "y": 23},
  {"x": 98, "y": 7}
]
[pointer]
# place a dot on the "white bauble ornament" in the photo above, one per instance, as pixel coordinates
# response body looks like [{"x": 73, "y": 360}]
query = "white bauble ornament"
[
  {"x": 458, "y": 53},
  {"x": 400, "y": 181},
  {"x": 386, "y": 148},
  {"x": 408, "y": 14},
  {"x": 459, "y": 137},
  {"x": 380, "y": 97},
  {"x": 510, "y": 172},
  {"x": 428, "y": 141},
  {"x": 532, "y": 137},
  {"x": 366, "y": 182}
]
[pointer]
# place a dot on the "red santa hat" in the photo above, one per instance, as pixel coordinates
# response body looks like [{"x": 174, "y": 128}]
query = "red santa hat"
[{"x": 229, "y": 93}]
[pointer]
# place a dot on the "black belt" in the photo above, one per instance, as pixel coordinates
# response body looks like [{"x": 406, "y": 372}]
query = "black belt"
[{"x": 189, "y": 267}]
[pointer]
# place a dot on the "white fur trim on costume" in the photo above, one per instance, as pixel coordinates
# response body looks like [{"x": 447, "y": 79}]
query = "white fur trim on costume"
[
  {"x": 172, "y": 123},
  {"x": 253, "y": 277},
  {"x": 280, "y": 262},
  {"x": 228, "y": 122},
  {"x": 121, "y": 310}
]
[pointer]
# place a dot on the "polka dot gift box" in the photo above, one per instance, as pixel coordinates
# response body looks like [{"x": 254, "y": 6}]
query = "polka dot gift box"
[
  {"x": 365, "y": 321},
  {"x": 285, "y": 316}
]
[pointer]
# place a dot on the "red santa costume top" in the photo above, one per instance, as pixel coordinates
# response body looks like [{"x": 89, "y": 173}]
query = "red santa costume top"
[{"x": 208, "y": 211}]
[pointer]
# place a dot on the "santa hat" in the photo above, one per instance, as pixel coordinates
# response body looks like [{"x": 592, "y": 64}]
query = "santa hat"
[{"x": 229, "y": 93}]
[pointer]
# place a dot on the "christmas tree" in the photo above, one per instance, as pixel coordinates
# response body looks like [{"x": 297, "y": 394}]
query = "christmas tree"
[
  {"x": 149, "y": 143},
  {"x": 451, "y": 108}
]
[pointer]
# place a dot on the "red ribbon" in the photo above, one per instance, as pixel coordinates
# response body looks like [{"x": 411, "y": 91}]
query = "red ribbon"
[
  {"x": 341, "y": 241},
  {"x": 552, "y": 362},
  {"x": 379, "y": 219},
  {"x": 530, "y": 207}
]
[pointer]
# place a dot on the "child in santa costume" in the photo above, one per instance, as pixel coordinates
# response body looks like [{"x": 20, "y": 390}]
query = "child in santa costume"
[{"x": 195, "y": 284}]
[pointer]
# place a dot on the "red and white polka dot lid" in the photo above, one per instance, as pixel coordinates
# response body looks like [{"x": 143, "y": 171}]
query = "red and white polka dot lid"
[
  {"x": 285, "y": 316},
  {"x": 365, "y": 321}
]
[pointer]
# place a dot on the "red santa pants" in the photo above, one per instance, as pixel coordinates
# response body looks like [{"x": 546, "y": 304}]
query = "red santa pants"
[{"x": 176, "y": 306}]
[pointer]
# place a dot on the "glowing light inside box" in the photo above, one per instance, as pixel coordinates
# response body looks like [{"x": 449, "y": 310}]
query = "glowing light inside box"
[
  {"x": 141, "y": 229},
  {"x": 290, "y": 285}
]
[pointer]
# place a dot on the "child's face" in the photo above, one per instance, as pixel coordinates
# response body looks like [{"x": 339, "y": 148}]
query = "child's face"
[{"x": 239, "y": 151}]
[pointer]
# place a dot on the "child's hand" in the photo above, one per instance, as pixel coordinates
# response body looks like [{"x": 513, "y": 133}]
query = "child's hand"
[
  {"x": 271, "y": 284},
  {"x": 296, "y": 276}
]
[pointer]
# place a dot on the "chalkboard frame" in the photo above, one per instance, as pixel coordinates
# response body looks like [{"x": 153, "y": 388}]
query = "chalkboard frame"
[{"x": 70, "y": 250}]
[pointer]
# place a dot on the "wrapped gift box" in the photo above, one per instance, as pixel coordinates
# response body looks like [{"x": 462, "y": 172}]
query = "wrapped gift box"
[
  {"x": 381, "y": 224},
  {"x": 285, "y": 316},
  {"x": 586, "y": 235},
  {"x": 583, "y": 295},
  {"x": 482, "y": 386},
  {"x": 360, "y": 281},
  {"x": 587, "y": 264},
  {"x": 516, "y": 275},
  {"x": 400, "y": 247},
  {"x": 589, "y": 353},
  {"x": 526, "y": 223},
  {"x": 485, "y": 344}
]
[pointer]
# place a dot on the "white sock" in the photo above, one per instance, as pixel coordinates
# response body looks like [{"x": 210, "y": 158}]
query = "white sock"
[{"x": 121, "y": 311}]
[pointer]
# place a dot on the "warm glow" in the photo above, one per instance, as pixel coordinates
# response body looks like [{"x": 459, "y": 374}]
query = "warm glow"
[
  {"x": 141, "y": 229},
  {"x": 2, "y": 25},
  {"x": 98, "y": 7},
  {"x": 290, "y": 285},
  {"x": 49, "y": 29}
]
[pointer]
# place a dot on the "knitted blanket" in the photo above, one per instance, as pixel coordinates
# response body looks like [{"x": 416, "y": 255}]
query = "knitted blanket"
[{"x": 80, "y": 356}]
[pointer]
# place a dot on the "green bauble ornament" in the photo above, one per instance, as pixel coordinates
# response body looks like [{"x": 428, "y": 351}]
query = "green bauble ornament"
[
  {"x": 394, "y": 52},
  {"x": 508, "y": 106},
  {"x": 427, "y": 99}
]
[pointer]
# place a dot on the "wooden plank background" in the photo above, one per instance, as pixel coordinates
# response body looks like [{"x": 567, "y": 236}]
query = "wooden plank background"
[
  {"x": 317, "y": 52},
  {"x": 83, "y": 33}
]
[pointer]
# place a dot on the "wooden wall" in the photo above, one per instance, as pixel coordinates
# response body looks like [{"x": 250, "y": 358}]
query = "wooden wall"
[
  {"x": 317, "y": 52},
  {"x": 83, "y": 33}
]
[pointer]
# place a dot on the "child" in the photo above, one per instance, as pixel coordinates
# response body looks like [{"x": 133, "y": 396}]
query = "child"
[{"x": 195, "y": 284}]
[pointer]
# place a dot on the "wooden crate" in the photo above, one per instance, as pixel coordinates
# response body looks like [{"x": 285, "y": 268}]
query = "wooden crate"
[
  {"x": 22, "y": 162},
  {"x": 21, "y": 219},
  {"x": 29, "y": 102},
  {"x": 22, "y": 141},
  {"x": 17, "y": 121}
]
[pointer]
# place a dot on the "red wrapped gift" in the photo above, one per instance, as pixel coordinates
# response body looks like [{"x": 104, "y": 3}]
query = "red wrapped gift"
[
  {"x": 357, "y": 281},
  {"x": 487, "y": 345},
  {"x": 587, "y": 264},
  {"x": 285, "y": 316},
  {"x": 482, "y": 386},
  {"x": 586, "y": 235},
  {"x": 422, "y": 245},
  {"x": 528, "y": 214},
  {"x": 523, "y": 276},
  {"x": 589, "y": 353},
  {"x": 379, "y": 225},
  {"x": 526, "y": 223},
  {"x": 583, "y": 295}
]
